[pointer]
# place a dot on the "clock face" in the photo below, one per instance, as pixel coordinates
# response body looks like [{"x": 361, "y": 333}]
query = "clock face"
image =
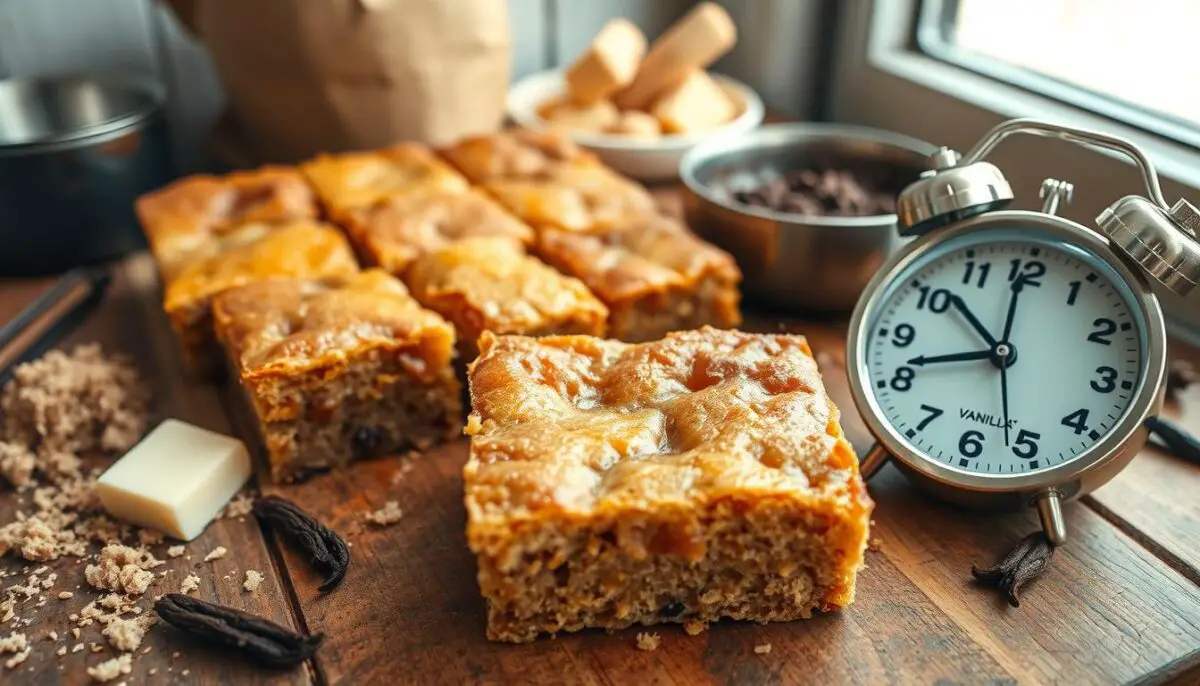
[{"x": 1003, "y": 354}]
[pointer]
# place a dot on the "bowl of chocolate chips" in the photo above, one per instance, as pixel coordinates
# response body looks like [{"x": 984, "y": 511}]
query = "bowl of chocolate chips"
[{"x": 808, "y": 210}]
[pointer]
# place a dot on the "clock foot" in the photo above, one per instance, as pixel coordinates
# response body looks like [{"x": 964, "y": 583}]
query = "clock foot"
[
  {"x": 1049, "y": 506},
  {"x": 875, "y": 458}
]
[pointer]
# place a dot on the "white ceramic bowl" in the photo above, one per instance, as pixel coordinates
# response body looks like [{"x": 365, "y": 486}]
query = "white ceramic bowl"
[{"x": 646, "y": 160}]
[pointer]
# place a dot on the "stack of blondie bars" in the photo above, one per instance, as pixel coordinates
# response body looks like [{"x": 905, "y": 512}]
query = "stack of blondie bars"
[{"x": 341, "y": 292}]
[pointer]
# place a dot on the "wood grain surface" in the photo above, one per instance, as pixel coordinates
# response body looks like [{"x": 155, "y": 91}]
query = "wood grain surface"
[{"x": 1120, "y": 604}]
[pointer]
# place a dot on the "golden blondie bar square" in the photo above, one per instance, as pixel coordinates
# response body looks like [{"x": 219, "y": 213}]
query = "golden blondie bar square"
[
  {"x": 515, "y": 154},
  {"x": 394, "y": 232},
  {"x": 186, "y": 219},
  {"x": 357, "y": 180},
  {"x": 701, "y": 476},
  {"x": 250, "y": 253},
  {"x": 339, "y": 369},
  {"x": 652, "y": 273},
  {"x": 491, "y": 284}
]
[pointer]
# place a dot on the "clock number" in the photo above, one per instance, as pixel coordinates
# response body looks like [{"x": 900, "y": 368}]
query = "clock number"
[
  {"x": 903, "y": 379},
  {"x": 933, "y": 413},
  {"x": 971, "y": 444},
  {"x": 1104, "y": 329},
  {"x": 1077, "y": 420},
  {"x": 938, "y": 300},
  {"x": 1075, "y": 286},
  {"x": 903, "y": 336},
  {"x": 983, "y": 270},
  {"x": 1026, "y": 445},
  {"x": 1107, "y": 382},
  {"x": 1030, "y": 271}
]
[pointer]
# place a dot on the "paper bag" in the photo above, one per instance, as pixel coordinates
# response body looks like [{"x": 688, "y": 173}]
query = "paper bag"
[{"x": 310, "y": 76}]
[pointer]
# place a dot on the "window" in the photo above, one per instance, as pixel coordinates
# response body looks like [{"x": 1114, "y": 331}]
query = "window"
[{"x": 1129, "y": 60}]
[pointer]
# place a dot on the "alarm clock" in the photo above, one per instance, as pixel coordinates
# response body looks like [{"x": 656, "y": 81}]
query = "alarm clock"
[{"x": 1015, "y": 357}]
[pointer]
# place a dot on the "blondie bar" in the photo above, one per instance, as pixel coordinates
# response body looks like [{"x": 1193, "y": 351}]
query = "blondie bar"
[
  {"x": 491, "y": 284},
  {"x": 515, "y": 154},
  {"x": 396, "y": 231},
  {"x": 653, "y": 275},
  {"x": 701, "y": 476},
  {"x": 252, "y": 252},
  {"x": 185, "y": 220},
  {"x": 339, "y": 369},
  {"x": 357, "y": 180}
]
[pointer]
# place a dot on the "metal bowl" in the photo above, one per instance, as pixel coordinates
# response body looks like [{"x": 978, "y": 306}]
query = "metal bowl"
[
  {"x": 801, "y": 263},
  {"x": 75, "y": 152}
]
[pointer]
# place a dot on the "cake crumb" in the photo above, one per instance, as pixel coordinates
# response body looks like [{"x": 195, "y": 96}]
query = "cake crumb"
[
  {"x": 153, "y": 671},
  {"x": 648, "y": 641},
  {"x": 694, "y": 627},
  {"x": 75, "y": 632},
  {"x": 764, "y": 649},
  {"x": 66, "y": 595},
  {"x": 387, "y": 515},
  {"x": 18, "y": 658},
  {"x": 121, "y": 568},
  {"x": 14, "y": 643},
  {"x": 126, "y": 634},
  {"x": 111, "y": 669},
  {"x": 241, "y": 505},
  {"x": 191, "y": 583},
  {"x": 62, "y": 650},
  {"x": 874, "y": 544},
  {"x": 175, "y": 551},
  {"x": 215, "y": 554},
  {"x": 78, "y": 647},
  {"x": 253, "y": 579}
]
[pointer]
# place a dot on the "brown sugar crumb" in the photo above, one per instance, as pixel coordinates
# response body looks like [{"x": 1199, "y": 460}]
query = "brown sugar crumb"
[
  {"x": 387, "y": 515},
  {"x": 764, "y": 649},
  {"x": 216, "y": 554},
  {"x": 66, "y": 595},
  {"x": 111, "y": 669},
  {"x": 648, "y": 641},
  {"x": 191, "y": 583},
  {"x": 62, "y": 650},
  {"x": 14, "y": 643},
  {"x": 694, "y": 628},
  {"x": 18, "y": 658},
  {"x": 127, "y": 634},
  {"x": 240, "y": 506},
  {"x": 253, "y": 579},
  {"x": 121, "y": 568},
  {"x": 175, "y": 551}
]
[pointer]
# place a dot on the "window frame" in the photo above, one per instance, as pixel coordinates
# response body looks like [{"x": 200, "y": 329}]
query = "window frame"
[
  {"x": 932, "y": 27},
  {"x": 882, "y": 78}
]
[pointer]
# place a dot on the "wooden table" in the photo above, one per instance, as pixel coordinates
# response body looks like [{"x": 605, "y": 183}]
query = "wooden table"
[{"x": 1121, "y": 603}]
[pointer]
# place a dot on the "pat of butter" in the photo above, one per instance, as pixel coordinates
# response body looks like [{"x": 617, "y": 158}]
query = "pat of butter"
[{"x": 176, "y": 479}]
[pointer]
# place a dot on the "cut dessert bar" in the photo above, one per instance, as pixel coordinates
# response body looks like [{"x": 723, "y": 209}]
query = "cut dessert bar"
[
  {"x": 701, "y": 476},
  {"x": 491, "y": 284},
  {"x": 185, "y": 220},
  {"x": 251, "y": 253},
  {"x": 515, "y": 154},
  {"x": 358, "y": 180},
  {"x": 396, "y": 231},
  {"x": 573, "y": 198},
  {"x": 654, "y": 276},
  {"x": 339, "y": 369}
]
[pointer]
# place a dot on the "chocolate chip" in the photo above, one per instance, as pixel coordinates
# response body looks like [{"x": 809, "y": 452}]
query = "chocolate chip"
[
  {"x": 825, "y": 191},
  {"x": 672, "y": 610}
]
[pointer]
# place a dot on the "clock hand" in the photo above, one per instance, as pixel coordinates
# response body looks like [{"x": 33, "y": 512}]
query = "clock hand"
[
  {"x": 1017, "y": 286},
  {"x": 921, "y": 360},
  {"x": 961, "y": 306},
  {"x": 1004, "y": 397}
]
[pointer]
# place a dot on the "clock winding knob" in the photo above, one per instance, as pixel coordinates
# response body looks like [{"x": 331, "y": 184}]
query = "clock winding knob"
[{"x": 1163, "y": 242}]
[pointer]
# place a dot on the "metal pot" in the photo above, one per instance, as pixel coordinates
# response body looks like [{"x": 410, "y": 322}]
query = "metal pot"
[
  {"x": 75, "y": 152},
  {"x": 799, "y": 263}
]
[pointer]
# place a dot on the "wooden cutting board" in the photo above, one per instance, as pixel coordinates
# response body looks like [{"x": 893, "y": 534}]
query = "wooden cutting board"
[{"x": 1121, "y": 603}]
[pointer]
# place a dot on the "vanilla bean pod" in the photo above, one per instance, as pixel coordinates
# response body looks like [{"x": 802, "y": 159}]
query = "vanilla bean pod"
[
  {"x": 259, "y": 638},
  {"x": 1023, "y": 564},
  {"x": 327, "y": 550}
]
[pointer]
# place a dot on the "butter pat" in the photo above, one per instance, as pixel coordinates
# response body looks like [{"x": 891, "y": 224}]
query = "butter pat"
[
  {"x": 697, "y": 104},
  {"x": 609, "y": 63},
  {"x": 176, "y": 479}
]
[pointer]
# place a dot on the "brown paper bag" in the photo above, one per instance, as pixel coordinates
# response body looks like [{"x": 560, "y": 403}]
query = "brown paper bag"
[{"x": 309, "y": 76}]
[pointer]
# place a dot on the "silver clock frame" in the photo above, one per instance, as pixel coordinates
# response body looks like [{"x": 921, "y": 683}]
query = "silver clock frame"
[{"x": 1046, "y": 488}]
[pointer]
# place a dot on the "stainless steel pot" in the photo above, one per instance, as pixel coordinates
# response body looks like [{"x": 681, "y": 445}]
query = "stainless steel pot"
[
  {"x": 74, "y": 154},
  {"x": 796, "y": 262}
]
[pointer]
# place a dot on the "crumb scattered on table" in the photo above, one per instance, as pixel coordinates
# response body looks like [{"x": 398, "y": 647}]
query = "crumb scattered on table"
[
  {"x": 216, "y": 553},
  {"x": 874, "y": 544},
  {"x": 175, "y": 551},
  {"x": 387, "y": 515},
  {"x": 763, "y": 649},
  {"x": 111, "y": 669},
  {"x": 694, "y": 627},
  {"x": 253, "y": 579},
  {"x": 648, "y": 641},
  {"x": 191, "y": 583}
]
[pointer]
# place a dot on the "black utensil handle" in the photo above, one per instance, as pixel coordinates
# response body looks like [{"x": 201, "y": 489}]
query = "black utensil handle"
[
  {"x": 1176, "y": 439},
  {"x": 51, "y": 316}
]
